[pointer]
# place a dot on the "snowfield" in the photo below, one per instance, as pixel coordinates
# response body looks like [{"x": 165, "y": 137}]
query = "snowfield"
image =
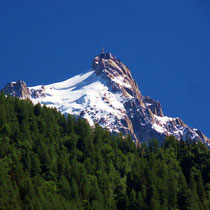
[{"x": 85, "y": 94}]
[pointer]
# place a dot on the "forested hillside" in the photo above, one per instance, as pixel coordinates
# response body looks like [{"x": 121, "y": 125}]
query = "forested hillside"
[{"x": 48, "y": 161}]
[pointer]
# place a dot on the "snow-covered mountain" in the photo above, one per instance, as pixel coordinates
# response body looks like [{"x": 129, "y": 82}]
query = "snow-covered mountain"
[{"x": 109, "y": 96}]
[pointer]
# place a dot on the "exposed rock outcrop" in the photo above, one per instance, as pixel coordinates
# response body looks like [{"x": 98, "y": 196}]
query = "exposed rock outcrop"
[
  {"x": 153, "y": 105},
  {"x": 18, "y": 89}
]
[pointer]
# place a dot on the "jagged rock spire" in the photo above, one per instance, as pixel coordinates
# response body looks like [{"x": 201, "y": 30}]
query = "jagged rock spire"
[{"x": 18, "y": 89}]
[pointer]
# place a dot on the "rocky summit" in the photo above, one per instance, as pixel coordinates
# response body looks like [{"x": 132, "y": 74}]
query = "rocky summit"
[{"x": 108, "y": 95}]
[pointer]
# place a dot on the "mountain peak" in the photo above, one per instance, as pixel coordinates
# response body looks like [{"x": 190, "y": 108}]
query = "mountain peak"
[
  {"x": 108, "y": 95},
  {"x": 117, "y": 74},
  {"x": 98, "y": 63}
]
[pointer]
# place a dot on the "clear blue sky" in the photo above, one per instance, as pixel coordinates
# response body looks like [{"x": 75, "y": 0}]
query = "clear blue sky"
[{"x": 166, "y": 45}]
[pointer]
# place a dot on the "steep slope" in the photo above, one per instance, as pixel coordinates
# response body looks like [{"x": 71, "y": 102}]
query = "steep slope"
[{"x": 109, "y": 96}]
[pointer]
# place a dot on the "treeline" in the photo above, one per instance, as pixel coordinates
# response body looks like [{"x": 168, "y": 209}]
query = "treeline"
[{"x": 48, "y": 161}]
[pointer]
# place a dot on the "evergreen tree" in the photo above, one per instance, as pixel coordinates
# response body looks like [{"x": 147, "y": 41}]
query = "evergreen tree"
[{"x": 49, "y": 161}]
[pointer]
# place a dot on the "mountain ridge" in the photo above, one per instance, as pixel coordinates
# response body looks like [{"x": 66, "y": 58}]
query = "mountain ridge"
[{"x": 108, "y": 95}]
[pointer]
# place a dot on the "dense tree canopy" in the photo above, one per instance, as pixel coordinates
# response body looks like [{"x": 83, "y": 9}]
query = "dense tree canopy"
[{"x": 48, "y": 161}]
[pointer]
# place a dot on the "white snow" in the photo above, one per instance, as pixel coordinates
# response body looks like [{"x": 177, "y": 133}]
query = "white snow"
[
  {"x": 165, "y": 125},
  {"x": 158, "y": 128},
  {"x": 121, "y": 81},
  {"x": 85, "y": 92}
]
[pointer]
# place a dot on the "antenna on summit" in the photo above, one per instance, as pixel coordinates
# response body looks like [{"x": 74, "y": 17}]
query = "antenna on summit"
[{"x": 102, "y": 50}]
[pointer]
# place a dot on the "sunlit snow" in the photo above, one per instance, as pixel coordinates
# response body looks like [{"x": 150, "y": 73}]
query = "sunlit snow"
[{"x": 85, "y": 92}]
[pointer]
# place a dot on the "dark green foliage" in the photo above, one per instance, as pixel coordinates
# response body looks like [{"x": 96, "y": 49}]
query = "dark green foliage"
[{"x": 51, "y": 162}]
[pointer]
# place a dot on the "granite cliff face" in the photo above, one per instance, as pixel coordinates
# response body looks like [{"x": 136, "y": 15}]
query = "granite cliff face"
[
  {"x": 144, "y": 115},
  {"x": 109, "y": 95}
]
